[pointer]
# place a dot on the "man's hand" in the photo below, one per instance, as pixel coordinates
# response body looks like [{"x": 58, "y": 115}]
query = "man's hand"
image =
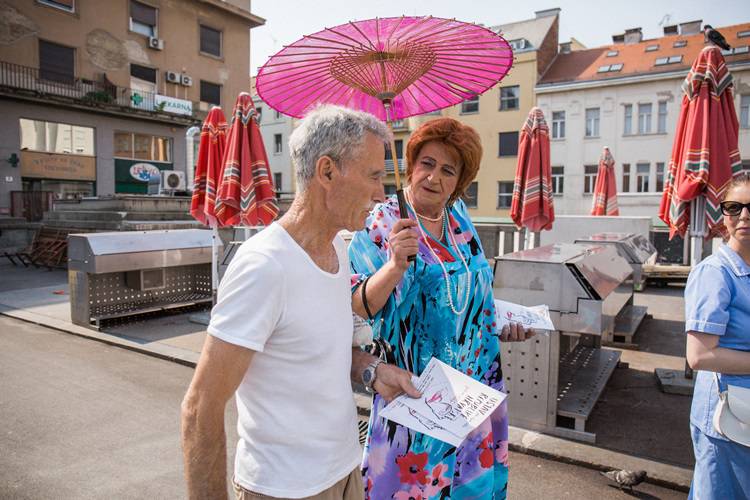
[
  {"x": 404, "y": 242},
  {"x": 515, "y": 332},
  {"x": 392, "y": 381}
]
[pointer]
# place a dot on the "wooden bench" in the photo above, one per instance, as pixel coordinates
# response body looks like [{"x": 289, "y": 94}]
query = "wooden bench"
[{"x": 49, "y": 248}]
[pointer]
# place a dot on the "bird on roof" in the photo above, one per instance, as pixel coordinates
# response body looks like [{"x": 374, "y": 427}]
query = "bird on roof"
[
  {"x": 626, "y": 478},
  {"x": 713, "y": 36}
]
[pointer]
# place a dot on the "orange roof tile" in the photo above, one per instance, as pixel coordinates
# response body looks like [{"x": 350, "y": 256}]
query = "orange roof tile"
[{"x": 583, "y": 65}]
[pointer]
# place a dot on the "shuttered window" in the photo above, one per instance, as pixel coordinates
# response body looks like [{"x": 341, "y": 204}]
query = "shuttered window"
[
  {"x": 211, "y": 93},
  {"x": 56, "y": 62},
  {"x": 141, "y": 13},
  {"x": 210, "y": 41},
  {"x": 143, "y": 73}
]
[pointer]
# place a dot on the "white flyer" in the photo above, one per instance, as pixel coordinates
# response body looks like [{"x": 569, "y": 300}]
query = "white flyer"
[
  {"x": 451, "y": 406},
  {"x": 536, "y": 317}
]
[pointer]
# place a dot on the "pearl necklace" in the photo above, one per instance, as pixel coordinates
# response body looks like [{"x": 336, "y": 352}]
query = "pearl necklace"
[{"x": 451, "y": 240}]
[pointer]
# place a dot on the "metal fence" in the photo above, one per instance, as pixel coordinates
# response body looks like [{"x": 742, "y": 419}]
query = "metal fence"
[{"x": 82, "y": 90}]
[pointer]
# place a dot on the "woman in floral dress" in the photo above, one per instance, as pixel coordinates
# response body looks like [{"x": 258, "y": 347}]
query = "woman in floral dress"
[{"x": 441, "y": 307}]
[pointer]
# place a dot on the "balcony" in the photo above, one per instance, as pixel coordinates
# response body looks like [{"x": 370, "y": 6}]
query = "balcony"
[
  {"x": 23, "y": 82},
  {"x": 389, "y": 166}
]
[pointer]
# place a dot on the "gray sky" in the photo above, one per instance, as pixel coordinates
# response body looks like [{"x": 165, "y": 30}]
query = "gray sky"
[{"x": 591, "y": 22}]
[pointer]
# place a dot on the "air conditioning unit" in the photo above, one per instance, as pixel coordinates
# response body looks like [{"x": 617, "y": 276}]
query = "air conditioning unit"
[
  {"x": 173, "y": 77},
  {"x": 155, "y": 43},
  {"x": 172, "y": 180},
  {"x": 186, "y": 80}
]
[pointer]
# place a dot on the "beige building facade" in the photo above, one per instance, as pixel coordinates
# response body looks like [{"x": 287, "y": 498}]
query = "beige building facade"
[{"x": 96, "y": 95}]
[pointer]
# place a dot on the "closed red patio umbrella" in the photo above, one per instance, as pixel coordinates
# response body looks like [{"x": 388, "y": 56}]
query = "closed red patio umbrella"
[
  {"x": 705, "y": 155},
  {"x": 246, "y": 194},
  {"x": 532, "y": 206},
  {"x": 208, "y": 167},
  {"x": 605, "y": 189}
]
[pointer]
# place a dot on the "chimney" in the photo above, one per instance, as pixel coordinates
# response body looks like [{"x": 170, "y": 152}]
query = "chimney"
[
  {"x": 691, "y": 27},
  {"x": 565, "y": 48},
  {"x": 618, "y": 38},
  {"x": 672, "y": 29},
  {"x": 547, "y": 12},
  {"x": 633, "y": 35}
]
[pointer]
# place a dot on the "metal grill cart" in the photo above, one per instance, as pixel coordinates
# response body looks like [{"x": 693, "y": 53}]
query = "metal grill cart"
[
  {"x": 554, "y": 382},
  {"x": 119, "y": 274},
  {"x": 634, "y": 248}
]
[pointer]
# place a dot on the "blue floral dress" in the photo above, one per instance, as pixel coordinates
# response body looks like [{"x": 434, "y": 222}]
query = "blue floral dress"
[{"x": 417, "y": 321}]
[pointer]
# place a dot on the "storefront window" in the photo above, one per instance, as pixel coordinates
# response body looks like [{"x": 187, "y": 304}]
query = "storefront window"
[
  {"x": 143, "y": 147},
  {"x": 52, "y": 137}
]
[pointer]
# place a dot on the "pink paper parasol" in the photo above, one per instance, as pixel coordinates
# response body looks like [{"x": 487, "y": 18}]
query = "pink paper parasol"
[{"x": 392, "y": 67}]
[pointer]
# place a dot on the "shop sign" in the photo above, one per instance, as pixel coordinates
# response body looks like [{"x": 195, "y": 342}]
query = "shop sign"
[
  {"x": 58, "y": 166},
  {"x": 173, "y": 105},
  {"x": 143, "y": 171}
]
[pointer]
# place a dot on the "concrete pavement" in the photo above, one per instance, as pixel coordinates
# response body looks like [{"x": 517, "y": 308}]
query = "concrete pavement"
[
  {"x": 86, "y": 420},
  {"x": 633, "y": 420}
]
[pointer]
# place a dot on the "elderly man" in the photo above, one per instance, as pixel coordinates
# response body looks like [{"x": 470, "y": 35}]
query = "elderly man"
[{"x": 281, "y": 333}]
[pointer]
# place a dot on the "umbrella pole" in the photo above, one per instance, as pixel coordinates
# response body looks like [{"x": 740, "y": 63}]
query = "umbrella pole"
[
  {"x": 214, "y": 263},
  {"x": 697, "y": 229}
]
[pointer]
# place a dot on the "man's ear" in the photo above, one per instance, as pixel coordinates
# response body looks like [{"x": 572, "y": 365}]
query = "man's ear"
[{"x": 324, "y": 170}]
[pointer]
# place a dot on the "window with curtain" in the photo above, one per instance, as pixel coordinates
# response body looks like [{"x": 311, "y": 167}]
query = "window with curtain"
[
  {"x": 558, "y": 124},
  {"x": 627, "y": 126},
  {"x": 589, "y": 178},
  {"x": 592, "y": 122},
  {"x": 644, "y": 118}
]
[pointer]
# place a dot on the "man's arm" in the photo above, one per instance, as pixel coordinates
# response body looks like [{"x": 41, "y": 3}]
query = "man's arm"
[
  {"x": 220, "y": 370},
  {"x": 390, "y": 380}
]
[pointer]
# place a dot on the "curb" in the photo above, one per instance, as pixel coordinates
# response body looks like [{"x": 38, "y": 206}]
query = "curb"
[
  {"x": 592, "y": 457},
  {"x": 519, "y": 440}
]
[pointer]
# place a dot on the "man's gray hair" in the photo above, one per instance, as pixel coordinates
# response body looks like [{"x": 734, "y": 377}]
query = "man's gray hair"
[{"x": 332, "y": 131}]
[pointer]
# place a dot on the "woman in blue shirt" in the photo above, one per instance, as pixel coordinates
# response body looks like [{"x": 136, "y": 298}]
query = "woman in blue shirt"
[{"x": 717, "y": 321}]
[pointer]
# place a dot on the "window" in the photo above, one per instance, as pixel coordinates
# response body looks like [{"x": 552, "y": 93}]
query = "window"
[
  {"x": 508, "y": 144},
  {"x": 259, "y": 113},
  {"x": 660, "y": 61},
  {"x": 509, "y": 97},
  {"x": 743, "y": 34},
  {"x": 389, "y": 189},
  {"x": 518, "y": 44},
  {"x": 210, "y": 41},
  {"x": 660, "y": 176},
  {"x": 644, "y": 118},
  {"x": 589, "y": 178},
  {"x": 652, "y": 48},
  {"x": 674, "y": 59},
  {"x": 277, "y": 182},
  {"x": 625, "y": 178},
  {"x": 277, "y": 114},
  {"x": 56, "y": 62},
  {"x": 142, "y": 19},
  {"x": 609, "y": 68},
  {"x": 143, "y": 73},
  {"x": 603, "y": 69},
  {"x": 612, "y": 53},
  {"x": 66, "y": 5},
  {"x": 557, "y": 179},
  {"x": 470, "y": 196},
  {"x": 679, "y": 43},
  {"x": 399, "y": 143},
  {"x": 741, "y": 50},
  {"x": 627, "y": 126},
  {"x": 211, "y": 93},
  {"x": 278, "y": 147},
  {"x": 470, "y": 105},
  {"x": 134, "y": 146},
  {"x": 504, "y": 194},
  {"x": 745, "y": 111},
  {"x": 616, "y": 67},
  {"x": 592, "y": 122},
  {"x": 558, "y": 124},
  {"x": 642, "y": 174},
  {"x": 51, "y": 137},
  {"x": 661, "y": 123}
]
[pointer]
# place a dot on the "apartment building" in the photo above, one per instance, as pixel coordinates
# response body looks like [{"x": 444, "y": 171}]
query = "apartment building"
[
  {"x": 97, "y": 95},
  {"x": 627, "y": 96}
]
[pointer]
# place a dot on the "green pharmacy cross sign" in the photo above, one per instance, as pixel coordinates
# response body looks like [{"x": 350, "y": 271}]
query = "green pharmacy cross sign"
[{"x": 136, "y": 98}]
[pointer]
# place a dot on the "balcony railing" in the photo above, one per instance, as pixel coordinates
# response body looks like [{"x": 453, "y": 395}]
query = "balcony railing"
[
  {"x": 79, "y": 90},
  {"x": 389, "y": 165}
]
